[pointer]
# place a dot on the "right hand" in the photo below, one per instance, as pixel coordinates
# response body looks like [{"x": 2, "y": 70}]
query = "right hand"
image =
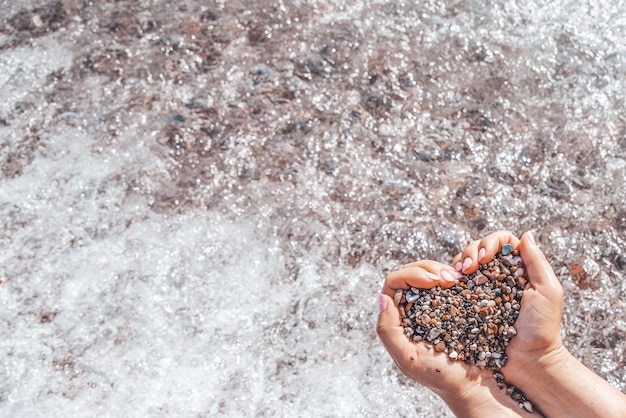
[{"x": 538, "y": 325}]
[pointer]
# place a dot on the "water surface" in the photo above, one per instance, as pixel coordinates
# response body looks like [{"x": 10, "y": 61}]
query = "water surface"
[{"x": 200, "y": 200}]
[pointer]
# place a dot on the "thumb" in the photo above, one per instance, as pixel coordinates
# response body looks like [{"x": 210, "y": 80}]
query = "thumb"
[
  {"x": 390, "y": 329},
  {"x": 540, "y": 273}
]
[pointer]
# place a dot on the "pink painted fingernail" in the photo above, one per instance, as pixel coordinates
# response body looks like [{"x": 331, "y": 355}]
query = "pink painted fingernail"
[
  {"x": 466, "y": 263},
  {"x": 447, "y": 276},
  {"x": 481, "y": 254},
  {"x": 382, "y": 303},
  {"x": 458, "y": 266},
  {"x": 432, "y": 276}
]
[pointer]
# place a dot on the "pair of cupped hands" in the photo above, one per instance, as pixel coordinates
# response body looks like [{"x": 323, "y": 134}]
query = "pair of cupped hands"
[{"x": 463, "y": 387}]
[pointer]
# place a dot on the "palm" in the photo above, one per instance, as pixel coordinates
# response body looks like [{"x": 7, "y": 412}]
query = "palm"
[
  {"x": 435, "y": 369},
  {"x": 536, "y": 327}
]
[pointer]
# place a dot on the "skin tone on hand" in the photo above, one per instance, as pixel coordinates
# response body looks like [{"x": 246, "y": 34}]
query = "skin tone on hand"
[
  {"x": 538, "y": 364},
  {"x": 468, "y": 390}
]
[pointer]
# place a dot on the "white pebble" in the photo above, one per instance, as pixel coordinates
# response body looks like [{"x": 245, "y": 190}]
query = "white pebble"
[
  {"x": 412, "y": 298},
  {"x": 453, "y": 355},
  {"x": 511, "y": 332},
  {"x": 528, "y": 406}
]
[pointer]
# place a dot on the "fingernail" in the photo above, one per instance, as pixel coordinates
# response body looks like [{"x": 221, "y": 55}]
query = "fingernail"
[
  {"x": 382, "y": 303},
  {"x": 447, "y": 276},
  {"x": 481, "y": 254},
  {"x": 467, "y": 263},
  {"x": 432, "y": 276},
  {"x": 458, "y": 266},
  {"x": 531, "y": 238}
]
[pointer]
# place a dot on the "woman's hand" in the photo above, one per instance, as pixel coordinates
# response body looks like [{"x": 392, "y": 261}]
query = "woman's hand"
[
  {"x": 468, "y": 390},
  {"x": 538, "y": 324},
  {"x": 538, "y": 364}
]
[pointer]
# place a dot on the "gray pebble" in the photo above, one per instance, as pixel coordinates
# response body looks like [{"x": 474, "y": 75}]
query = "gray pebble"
[
  {"x": 435, "y": 332},
  {"x": 506, "y": 249}
]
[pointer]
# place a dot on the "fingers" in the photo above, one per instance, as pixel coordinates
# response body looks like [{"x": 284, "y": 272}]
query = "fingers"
[
  {"x": 539, "y": 271},
  {"x": 466, "y": 261},
  {"x": 423, "y": 274},
  {"x": 479, "y": 252}
]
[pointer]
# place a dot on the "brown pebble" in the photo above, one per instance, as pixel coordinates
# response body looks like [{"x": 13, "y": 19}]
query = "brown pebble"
[{"x": 439, "y": 347}]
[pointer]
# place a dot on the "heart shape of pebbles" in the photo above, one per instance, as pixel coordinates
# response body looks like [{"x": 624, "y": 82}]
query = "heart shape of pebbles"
[{"x": 473, "y": 320}]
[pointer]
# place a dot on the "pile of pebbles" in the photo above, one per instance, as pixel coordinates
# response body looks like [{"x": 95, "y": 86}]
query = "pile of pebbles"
[{"x": 472, "y": 321}]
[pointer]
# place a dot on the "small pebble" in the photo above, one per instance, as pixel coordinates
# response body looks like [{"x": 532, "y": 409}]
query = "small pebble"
[
  {"x": 528, "y": 406},
  {"x": 397, "y": 297},
  {"x": 453, "y": 355},
  {"x": 411, "y": 297},
  {"x": 434, "y": 333},
  {"x": 507, "y": 249},
  {"x": 480, "y": 278}
]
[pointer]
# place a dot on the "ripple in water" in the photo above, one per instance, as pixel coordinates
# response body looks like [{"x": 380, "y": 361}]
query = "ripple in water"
[{"x": 200, "y": 201}]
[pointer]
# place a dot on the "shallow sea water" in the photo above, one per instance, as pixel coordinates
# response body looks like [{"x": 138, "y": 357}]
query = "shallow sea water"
[{"x": 200, "y": 200}]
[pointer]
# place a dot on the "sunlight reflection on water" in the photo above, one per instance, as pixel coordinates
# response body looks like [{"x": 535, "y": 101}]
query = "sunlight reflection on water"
[{"x": 201, "y": 201}]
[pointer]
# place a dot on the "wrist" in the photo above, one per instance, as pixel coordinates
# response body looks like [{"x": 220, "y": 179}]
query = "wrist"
[
  {"x": 482, "y": 398},
  {"x": 526, "y": 369}
]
